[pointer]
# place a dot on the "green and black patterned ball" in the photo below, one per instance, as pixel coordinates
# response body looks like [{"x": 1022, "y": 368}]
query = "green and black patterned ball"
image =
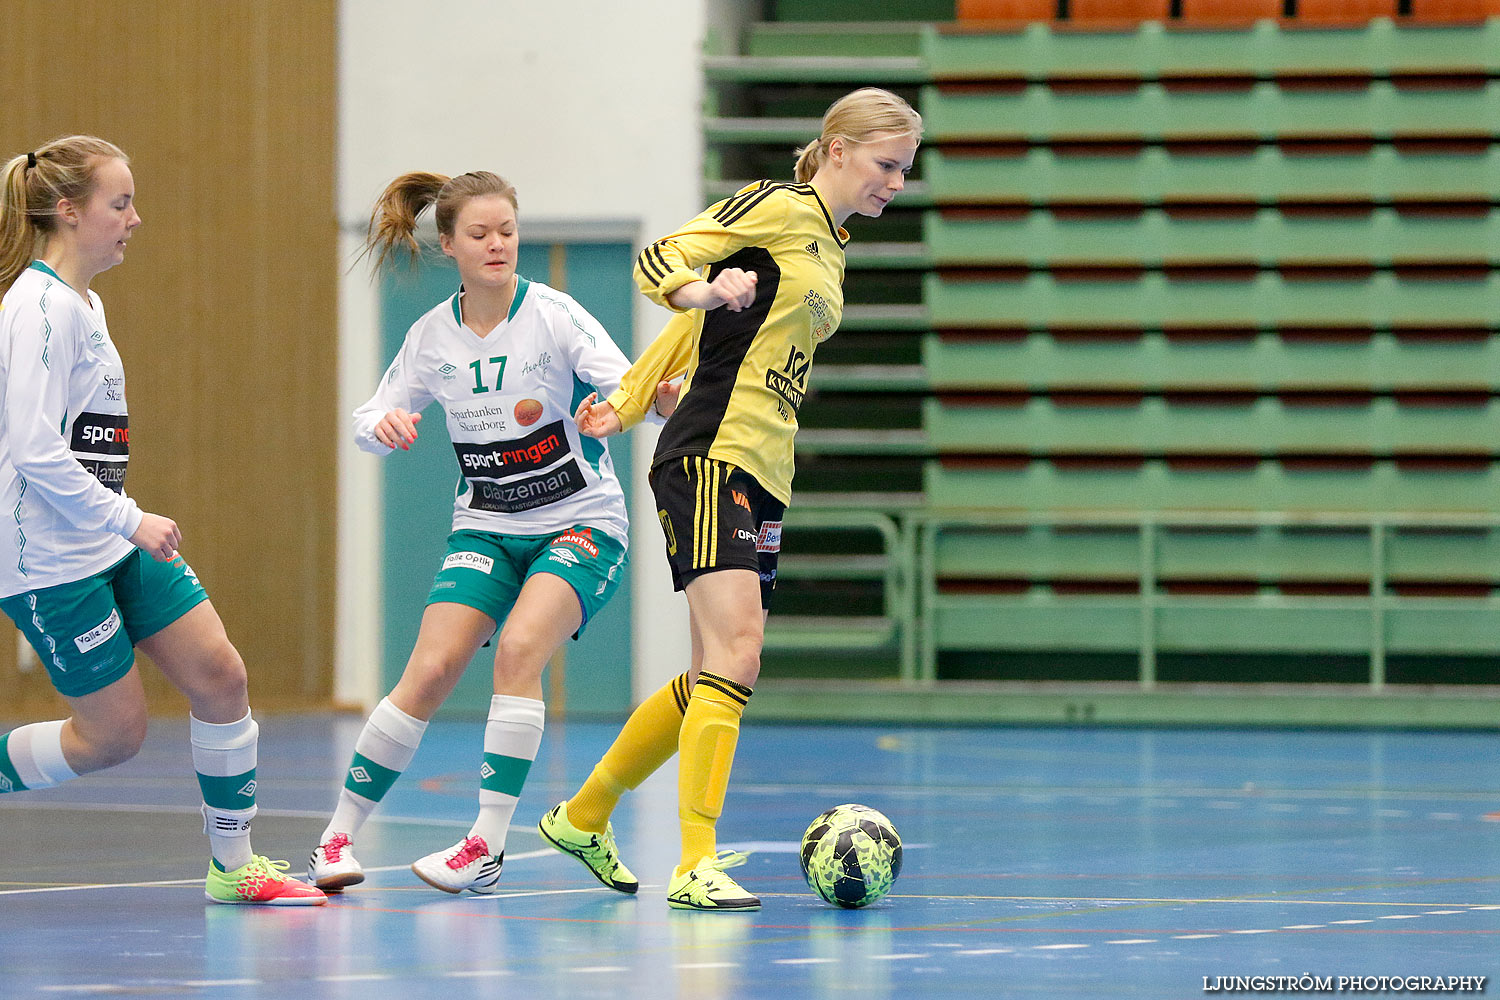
[{"x": 851, "y": 855}]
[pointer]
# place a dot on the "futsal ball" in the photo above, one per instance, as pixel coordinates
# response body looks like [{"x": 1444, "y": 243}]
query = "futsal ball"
[
  {"x": 851, "y": 855},
  {"x": 528, "y": 411}
]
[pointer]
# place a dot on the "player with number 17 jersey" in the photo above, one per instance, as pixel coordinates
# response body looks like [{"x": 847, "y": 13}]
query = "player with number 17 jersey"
[{"x": 508, "y": 398}]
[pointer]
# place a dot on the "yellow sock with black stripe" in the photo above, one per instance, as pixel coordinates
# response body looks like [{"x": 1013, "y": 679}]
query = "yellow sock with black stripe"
[
  {"x": 710, "y": 731},
  {"x": 648, "y": 740}
]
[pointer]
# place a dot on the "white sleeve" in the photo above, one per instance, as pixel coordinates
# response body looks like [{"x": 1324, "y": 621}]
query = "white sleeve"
[
  {"x": 592, "y": 353},
  {"x": 36, "y": 407},
  {"x": 401, "y": 387}
]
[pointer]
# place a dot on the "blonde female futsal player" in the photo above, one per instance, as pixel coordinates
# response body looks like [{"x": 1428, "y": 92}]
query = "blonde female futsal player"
[
  {"x": 722, "y": 472},
  {"x": 539, "y": 527},
  {"x": 74, "y": 569}
]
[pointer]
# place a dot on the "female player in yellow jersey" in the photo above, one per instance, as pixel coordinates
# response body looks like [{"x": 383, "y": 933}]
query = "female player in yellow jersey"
[{"x": 722, "y": 472}]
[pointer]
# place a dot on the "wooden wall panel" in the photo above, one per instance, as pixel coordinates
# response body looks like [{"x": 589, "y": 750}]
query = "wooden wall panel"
[{"x": 225, "y": 310}]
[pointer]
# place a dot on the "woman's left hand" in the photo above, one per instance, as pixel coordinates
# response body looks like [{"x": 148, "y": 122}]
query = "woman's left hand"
[
  {"x": 666, "y": 397},
  {"x": 597, "y": 419}
]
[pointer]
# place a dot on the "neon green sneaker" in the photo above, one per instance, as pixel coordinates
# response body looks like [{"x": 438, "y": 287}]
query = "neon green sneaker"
[
  {"x": 259, "y": 881},
  {"x": 597, "y": 851},
  {"x": 708, "y": 888}
]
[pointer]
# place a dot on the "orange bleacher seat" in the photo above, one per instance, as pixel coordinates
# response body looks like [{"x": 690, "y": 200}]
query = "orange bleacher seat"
[
  {"x": 1006, "y": 10},
  {"x": 1452, "y": 10},
  {"x": 1343, "y": 11},
  {"x": 1119, "y": 10},
  {"x": 1226, "y": 11}
]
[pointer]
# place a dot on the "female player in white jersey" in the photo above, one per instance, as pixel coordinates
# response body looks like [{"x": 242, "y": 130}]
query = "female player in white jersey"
[
  {"x": 539, "y": 525},
  {"x": 74, "y": 569}
]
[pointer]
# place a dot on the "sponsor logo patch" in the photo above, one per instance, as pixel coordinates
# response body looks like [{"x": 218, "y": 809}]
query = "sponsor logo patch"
[
  {"x": 469, "y": 560},
  {"x": 770, "y": 537},
  {"x": 101, "y": 434},
  {"x": 111, "y": 474},
  {"x": 583, "y": 539},
  {"x": 99, "y": 634},
  {"x": 515, "y": 495},
  {"x": 536, "y": 450}
]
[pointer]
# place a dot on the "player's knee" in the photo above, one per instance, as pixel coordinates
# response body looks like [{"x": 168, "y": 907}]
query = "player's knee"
[
  {"x": 106, "y": 745},
  {"x": 520, "y": 651},
  {"x": 432, "y": 675},
  {"x": 222, "y": 673}
]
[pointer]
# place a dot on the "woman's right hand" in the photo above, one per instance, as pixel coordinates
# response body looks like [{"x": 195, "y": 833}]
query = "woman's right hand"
[
  {"x": 732, "y": 288},
  {"x": 157, "y": 535},
  {"x": 398, "y": 429}
]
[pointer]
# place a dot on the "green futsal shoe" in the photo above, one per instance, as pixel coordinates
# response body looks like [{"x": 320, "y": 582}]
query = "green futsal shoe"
[
  {"x": 706, "y": 887},
  {"x": 597, "y": 851}
]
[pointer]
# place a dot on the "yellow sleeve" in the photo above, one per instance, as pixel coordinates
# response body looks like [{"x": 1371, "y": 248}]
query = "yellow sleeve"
[
  {"x": 666, "y": 358},
  {"x": 751, "y": 218}
]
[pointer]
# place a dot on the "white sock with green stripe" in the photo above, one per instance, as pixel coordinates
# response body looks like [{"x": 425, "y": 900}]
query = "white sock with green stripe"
[
  {"x": 384, "y": 749},
  {"x": 32, "y": 757},
  {"x": 512, "y": 737},
  {"x": 224, "y": 756}
]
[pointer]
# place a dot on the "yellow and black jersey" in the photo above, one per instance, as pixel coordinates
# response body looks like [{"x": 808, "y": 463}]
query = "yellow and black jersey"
[{"x": 746, "y": 371}]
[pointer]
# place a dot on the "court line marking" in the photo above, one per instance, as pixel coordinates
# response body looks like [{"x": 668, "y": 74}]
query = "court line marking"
[{"x": 525, "y": 855}]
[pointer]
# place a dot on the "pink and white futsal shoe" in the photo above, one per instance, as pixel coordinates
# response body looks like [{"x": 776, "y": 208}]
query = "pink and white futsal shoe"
[
  {"x": 468, "y": 864},
  {"x": 333, "y": 866}
]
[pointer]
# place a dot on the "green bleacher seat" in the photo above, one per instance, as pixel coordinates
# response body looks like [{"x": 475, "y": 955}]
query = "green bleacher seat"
[
  {"x": 1269, "y": 299},
  {"x": 1265, "y": 51},
  {"x": 1155, "y": 484},
  {"x": 1265, "y": 175},
  {"x": 1258, "y": 362},
  {"x": 1153, "y": 237},
  {"x": 1264, "y": 110},
  {"x": 1267, "y": 426}
]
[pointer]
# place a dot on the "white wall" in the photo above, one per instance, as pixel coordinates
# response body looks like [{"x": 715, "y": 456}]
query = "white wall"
[{"x": 592, "y": 109}]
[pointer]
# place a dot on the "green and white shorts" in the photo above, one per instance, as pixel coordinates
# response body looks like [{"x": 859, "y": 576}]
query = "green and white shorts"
[
  {"x": 85, "y": 632},
  {"x": 486, "y": 571}
]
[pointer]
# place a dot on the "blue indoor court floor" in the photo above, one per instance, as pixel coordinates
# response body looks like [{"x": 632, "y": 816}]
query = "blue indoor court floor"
[{"x": 1057, "y": 862}]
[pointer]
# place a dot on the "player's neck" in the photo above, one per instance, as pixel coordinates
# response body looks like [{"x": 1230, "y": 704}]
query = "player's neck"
[
  {"x": 68, "y": 266},
  {"x": 485, "y": 308}
]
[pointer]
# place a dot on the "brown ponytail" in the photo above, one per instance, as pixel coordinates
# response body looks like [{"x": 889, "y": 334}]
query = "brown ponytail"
[
  {"x": 393, "y": 223},
  {"x": 33, "y": 183}
]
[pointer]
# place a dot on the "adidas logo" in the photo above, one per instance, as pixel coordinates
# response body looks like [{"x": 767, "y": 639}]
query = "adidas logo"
[{"x": 812, "y": 248}]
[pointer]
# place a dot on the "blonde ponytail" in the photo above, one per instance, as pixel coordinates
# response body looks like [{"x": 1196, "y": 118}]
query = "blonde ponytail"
[
  {"x": 393, "y": 223},
  {"x": 858, "y": 117},
  {"x": 33, "y": 183}
]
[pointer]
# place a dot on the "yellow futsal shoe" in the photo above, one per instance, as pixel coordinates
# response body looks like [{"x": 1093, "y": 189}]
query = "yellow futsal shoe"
[
  {"x": 597, "y": 851},
  {"x": 259, "y": 881},
  {"x": 706, "y": 887}
]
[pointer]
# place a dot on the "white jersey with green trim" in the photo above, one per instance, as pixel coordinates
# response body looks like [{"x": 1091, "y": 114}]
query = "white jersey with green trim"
[
  {"x": 509, "y": 398},
  {"x": 64, "y": 437}
]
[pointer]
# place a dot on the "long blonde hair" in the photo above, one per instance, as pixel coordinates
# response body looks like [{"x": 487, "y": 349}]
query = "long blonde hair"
[
  {"x": 33, "y": 183},
  {"x": 858, "y": 117},
  {"x": 393, "y": 223}
]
